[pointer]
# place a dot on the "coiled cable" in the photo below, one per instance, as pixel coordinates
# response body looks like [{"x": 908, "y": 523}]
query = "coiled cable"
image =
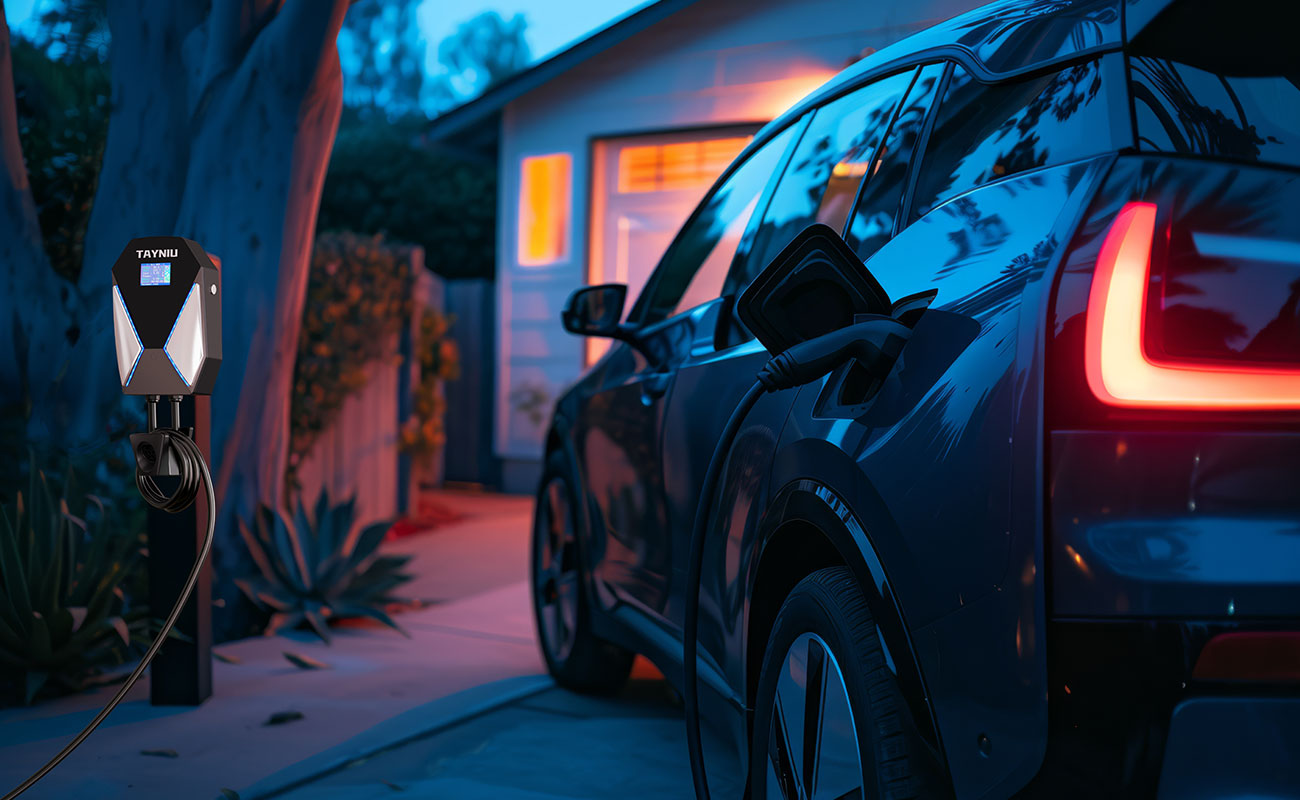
[{"x": 191, "y": 479}]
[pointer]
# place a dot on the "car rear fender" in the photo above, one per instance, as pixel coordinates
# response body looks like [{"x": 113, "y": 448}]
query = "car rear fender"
[{"x": 807, "y": 516}]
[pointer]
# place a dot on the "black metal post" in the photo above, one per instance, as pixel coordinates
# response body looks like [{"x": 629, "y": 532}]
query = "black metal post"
[{"x": 181, "y": 673}]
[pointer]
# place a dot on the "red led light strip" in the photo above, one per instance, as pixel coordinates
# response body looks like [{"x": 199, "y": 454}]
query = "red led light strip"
[{"x": 1118, "y": 369}]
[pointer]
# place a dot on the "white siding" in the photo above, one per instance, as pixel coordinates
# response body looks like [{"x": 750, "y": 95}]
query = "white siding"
[{"x": 717, "y": 62}]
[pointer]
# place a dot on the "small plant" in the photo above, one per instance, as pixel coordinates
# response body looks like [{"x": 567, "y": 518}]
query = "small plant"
[
  {"x": 314, "y": 569},
  {"x": 63, "y": 615},
  {"x": 532, "y": 400},
  {"x": 424, "y": 432}
]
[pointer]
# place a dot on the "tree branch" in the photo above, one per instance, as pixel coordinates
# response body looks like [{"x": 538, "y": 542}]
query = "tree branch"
[
  {"x": 11, "y": 149},
  {"x": 233, "y": 26},
  {"x": 304, "y": 29}
]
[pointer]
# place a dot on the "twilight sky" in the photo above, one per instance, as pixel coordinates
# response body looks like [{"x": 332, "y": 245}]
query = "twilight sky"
[{"x": 552, "y": 24}]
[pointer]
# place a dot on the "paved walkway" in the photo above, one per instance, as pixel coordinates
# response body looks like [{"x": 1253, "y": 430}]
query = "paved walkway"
[
  {"x": 486, "y": 548},
  {"x": 464, "y": 656},
  {"x": 551, "y": 745}
]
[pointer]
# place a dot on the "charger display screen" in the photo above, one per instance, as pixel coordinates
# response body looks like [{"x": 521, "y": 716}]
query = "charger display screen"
[{"x": 156, "y": 274}]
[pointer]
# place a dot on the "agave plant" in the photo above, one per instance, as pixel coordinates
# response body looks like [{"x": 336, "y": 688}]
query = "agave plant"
[
  {"x": 63, "y": 615},
  {"x": 314, "y": 568}
]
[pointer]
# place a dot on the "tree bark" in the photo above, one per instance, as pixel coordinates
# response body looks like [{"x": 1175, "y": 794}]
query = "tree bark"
[
  {"x": 251, "y": 105},
  {"x": 256, "y": 207},
  {"x": 33, "y": 318}
]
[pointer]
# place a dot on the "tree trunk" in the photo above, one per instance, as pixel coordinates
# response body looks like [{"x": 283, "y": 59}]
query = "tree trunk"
[
  {"x": 258, "y": 123},
  {"x": 256, "y": 207},
  {"x": 33, "y": 320}
]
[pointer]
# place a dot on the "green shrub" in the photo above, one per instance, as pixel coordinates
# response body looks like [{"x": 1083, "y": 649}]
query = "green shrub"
[
  {"x": 358, "y": 299},
  {"x": 64, "y": 617},
  {"x": 385, "y": 177},
  {"x": 425, "y": 432},
  {"x": 312, "y": 570},
  {"x": 63, "y": 107}
]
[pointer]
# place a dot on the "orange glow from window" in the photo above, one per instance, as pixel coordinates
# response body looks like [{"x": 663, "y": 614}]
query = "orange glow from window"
[
  {"x": 544, "y": 209},
  {"x": 778, "y": 95},
  {"x": 1118, "y": 369},
  {"x": 677, "y": 165},
  {"x": 849, "y": 169}
]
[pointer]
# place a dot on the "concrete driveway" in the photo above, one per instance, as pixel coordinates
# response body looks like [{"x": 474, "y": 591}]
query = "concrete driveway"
[
  {"x": 554, "y": 744},
  {"x": 461, "y": 709}
]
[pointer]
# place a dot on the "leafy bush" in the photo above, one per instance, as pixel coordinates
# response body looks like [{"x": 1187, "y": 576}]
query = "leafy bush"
[
  {"x": 312, "y": 570},
  {"x": 63, "y": 107},
  {"x": 358, "y": 299},
  {"x": 439, "y": 357},
  {"x": 384, "y": 178},
  {"x": 64, "y": 617}
]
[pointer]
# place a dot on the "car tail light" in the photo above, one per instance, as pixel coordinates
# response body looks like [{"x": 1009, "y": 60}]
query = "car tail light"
[
  {"x": 1194, "y": 301},
  {"x": 1250, "y": 656}
]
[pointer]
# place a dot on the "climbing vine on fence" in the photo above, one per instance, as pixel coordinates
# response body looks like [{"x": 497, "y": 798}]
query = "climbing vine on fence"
[
  {"x": 439, "y": 357},
  {"x": 358, "y": 299}
]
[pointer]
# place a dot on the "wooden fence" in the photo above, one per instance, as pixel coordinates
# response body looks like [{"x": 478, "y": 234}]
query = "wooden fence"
[{"x": 358, "y": 454}]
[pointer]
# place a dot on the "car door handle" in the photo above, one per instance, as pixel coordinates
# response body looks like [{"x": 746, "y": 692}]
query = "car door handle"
[{"x": 654, "y": 385}]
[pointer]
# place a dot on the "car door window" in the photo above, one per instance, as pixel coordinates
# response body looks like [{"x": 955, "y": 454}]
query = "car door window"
[
  {"x": 878, "y": 202},
  {"x": 693, "y": 270},
  {"x": 983, "y": 132},
  {"x": 824, "y": 173}
]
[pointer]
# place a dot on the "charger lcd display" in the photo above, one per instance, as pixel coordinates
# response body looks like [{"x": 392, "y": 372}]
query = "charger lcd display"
[{"x": 156, "y": 274}]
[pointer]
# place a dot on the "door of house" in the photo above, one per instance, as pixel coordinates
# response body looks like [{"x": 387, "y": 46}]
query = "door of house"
[{"x": 643, "y": 188}]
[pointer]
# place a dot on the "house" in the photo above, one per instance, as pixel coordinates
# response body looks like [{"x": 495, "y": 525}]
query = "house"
[{"x": 606, "y": 147}]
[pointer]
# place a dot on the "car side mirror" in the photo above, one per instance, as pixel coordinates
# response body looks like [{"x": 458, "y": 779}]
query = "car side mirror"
[{"x": 596, "y": 311}]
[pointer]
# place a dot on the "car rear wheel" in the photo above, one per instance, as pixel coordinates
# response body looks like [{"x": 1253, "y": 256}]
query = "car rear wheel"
[
  {"x": 828, "y": 721},
  {"x": 574, "y": 656}
]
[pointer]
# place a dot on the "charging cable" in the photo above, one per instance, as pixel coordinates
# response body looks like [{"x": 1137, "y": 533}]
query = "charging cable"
[
  {"x": 193, "y": 472},
  {"x": 873, "y": 340}
]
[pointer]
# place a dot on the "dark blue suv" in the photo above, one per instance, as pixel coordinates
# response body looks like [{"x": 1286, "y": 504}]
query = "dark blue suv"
[{"x": 1054, "y": 548}]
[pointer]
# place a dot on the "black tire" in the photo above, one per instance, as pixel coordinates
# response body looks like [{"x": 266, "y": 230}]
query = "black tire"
[
  {"x": 827, "y": 612},
  {"x": 576, "y": 658}
]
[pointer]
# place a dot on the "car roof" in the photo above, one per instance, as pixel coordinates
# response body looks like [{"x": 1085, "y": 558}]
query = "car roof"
[{"x": 996, "y": 41}]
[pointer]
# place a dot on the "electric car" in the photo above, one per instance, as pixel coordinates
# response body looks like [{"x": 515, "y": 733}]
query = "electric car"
[{"x": 1053, "y": 547}]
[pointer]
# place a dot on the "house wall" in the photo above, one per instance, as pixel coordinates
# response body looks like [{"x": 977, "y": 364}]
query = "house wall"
[{"x": 717, "y": 62}]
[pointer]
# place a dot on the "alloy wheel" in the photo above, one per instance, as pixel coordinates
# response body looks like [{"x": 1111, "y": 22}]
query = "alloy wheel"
[
  {"x": 813, "y": 751},
  {"x": 557, "y": 572}
]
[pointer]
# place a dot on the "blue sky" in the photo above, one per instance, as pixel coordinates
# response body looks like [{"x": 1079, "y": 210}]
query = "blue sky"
[{"x": 552, "y": 24}]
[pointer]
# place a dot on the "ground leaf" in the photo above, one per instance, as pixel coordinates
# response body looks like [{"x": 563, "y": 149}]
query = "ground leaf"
[
  {"x": 281, "y": 717},
  {"x": 304, "y": 662}
]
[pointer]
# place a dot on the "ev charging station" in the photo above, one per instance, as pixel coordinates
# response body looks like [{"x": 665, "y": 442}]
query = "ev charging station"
[
  {"x": 167, "y": 331},
  {"x": 166, "y": 300},
  {"x": 166, "y": 317}
]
